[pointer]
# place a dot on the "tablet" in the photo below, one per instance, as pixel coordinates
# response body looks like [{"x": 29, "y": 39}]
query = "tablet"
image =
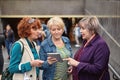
[{"x": 55, "y": 55}]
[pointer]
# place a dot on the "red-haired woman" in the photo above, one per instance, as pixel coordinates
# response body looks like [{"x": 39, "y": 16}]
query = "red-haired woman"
[{"x": 24, "y": 61}]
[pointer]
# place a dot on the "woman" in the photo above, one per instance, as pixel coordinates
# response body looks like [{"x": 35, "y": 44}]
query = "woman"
[
  {"x": 77, "y": 35},
  {"x": 55, "y": 43},
  {"x": 9, "y": 38},
  {"x": 91, "y": 60},
  {"x": 24, "y": 61}
]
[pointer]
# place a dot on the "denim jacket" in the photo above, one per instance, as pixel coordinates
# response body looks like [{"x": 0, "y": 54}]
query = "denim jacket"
[{"x": 48, "y": 46}]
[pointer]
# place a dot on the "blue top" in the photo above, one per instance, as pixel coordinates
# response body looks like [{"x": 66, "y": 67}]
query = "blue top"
[
  {"x": 48, "y": 46},
  {"x": 16, "y": 55}
]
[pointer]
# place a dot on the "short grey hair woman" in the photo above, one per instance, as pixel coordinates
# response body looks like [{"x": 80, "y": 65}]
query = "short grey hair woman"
[{"x": 91, "y": 60}]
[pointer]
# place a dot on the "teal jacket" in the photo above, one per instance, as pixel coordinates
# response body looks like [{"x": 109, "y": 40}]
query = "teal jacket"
[{"x": 16, "y": 55}]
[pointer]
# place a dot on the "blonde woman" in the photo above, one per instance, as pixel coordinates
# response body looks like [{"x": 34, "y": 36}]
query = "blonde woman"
[{"x": 56, "y": 43}]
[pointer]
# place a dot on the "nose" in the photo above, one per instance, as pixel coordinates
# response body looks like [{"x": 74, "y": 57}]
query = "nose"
[
  {"x": 56, "y": 31},
  {"x": 38, "y": 32},
  {"x": 80, "y": 30}
]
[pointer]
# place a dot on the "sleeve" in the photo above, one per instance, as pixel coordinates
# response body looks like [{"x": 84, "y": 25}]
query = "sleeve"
[
  {"x": 16, "y": 55},
  {"x": 43, "y": 56},
  {"x": 70, "y": 49},
  {"x": 100, "y": 61}
]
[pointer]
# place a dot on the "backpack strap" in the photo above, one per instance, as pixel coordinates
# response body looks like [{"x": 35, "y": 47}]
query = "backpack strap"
[
  {"x": 22, "y": 46},
  {"x": 22, "y": 50}
]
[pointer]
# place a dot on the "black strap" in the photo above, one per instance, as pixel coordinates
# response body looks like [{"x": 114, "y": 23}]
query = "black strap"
[{"x": 102, "y": 75}]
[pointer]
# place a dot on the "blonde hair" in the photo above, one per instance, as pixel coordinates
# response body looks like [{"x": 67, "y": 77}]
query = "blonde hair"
[{"x": 57, "y": 21}]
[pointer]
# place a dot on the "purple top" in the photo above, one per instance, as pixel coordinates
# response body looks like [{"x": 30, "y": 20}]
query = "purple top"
[{"x": 93, "y": 60}]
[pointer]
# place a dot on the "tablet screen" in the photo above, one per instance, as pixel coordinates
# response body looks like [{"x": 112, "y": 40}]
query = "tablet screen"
[{"x": 55, "y": 55}]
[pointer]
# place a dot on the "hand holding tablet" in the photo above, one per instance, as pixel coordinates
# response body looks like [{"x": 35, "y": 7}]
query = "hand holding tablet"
[{"x": 55, "y": 55}]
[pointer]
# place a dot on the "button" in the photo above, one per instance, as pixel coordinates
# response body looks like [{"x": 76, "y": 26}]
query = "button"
[{"x": 30, "y": 75}]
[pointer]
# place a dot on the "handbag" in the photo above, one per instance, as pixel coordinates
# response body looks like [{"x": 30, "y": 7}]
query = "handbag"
[{"x": 6, "y": 75}]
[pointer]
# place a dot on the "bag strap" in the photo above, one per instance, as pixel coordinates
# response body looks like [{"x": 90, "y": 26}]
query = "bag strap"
[
  {"x": 102, "y": 75},
  {"x": 22, "y": 46}
]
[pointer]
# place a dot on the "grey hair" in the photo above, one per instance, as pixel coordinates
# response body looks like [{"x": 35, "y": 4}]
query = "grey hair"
[{"x": 91, "y": 23}]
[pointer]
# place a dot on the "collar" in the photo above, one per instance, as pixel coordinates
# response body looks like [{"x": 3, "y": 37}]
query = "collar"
[
  {"x": 30, "y": 43},
  {"x": 92, "y": 41},
  {"x": 50, "y": 42}
]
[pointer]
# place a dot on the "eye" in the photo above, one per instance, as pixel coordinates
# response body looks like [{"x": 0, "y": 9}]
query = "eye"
[
  {"x": 59, "y": 29},
  {"x": 82, "y": 27},
  {"x": 53, "y": 29},
  {"x": 34, "y": 28}
]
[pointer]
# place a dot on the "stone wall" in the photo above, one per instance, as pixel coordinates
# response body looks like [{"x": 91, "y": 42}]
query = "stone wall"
[{"x": 41, "y": 7}]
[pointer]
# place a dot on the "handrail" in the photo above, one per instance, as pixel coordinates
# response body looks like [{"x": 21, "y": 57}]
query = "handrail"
[
  {"x": 114, "y": 71},
  {"x": 111, "y": 37}
]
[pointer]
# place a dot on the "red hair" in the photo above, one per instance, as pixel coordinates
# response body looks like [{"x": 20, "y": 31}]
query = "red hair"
[{"x": 25, "y": 25}]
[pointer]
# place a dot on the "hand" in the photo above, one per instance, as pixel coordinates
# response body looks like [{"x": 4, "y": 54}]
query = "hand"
[
  {"x": 3, "y": 47},
  {"x": 72, "y": 62},
  {"x": 36, "y": 63},
  {"x": 51, "y": 60},
  {"x": 42, "y": 33},
  {"x": 70, "y": 69}
]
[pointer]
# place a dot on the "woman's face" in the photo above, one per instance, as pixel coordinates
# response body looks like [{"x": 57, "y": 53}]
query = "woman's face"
[
  {"x": 86, "y": 34},
  {"x": 8, "y": 27},
  {"x": 56, "y": 32},
  {"x": 34, "y": 33}
]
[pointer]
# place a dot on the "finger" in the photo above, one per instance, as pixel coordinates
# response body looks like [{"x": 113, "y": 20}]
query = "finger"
[
  {"x": 66, "y": 59},
  {"x": 51, "y": 58},
  {"x": 55, "y": 60},
  {"x": 69, "y": 63},
  {"x": 41, "y": 61}
]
